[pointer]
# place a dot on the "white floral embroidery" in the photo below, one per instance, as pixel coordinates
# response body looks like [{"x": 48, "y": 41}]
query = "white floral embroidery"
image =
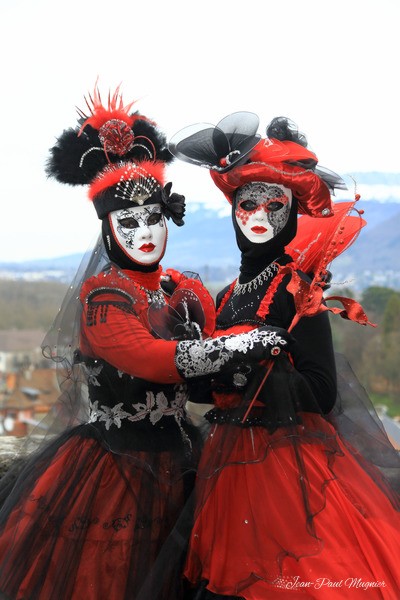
[
  {"x": 92, "y": 373},
  {"x": 143, "y": 410},
  {"x": 109, "y": 415},
  {"x": 95, "y": 412},
  {"x": 122, "y": 373},
  {"x": 156, "y": 407}
]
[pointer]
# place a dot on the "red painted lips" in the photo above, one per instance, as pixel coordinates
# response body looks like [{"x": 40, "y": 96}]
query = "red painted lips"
[
  {"x": 147, "y": 247},
  {"x": 259, "y": 229}
]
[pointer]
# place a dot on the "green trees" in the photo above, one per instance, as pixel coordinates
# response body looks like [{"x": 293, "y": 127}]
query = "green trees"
[
  {"x": 29, "y": 305},
  {"x": 374, "y": 353}
]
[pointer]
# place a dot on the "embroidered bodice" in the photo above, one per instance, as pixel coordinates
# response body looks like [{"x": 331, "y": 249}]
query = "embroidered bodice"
[
  {"x": 137, "y": 411},
  {"x": 313, "y": 375},
  {"x": 136, "y": 395}
]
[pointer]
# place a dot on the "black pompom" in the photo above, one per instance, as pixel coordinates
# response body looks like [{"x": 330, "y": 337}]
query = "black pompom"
[
  {"x": 148, "y": 130},
  {"x": 67, "y": 162},
  {"x": 78, "y": 159},
  {"x": 283, "y": 129}
]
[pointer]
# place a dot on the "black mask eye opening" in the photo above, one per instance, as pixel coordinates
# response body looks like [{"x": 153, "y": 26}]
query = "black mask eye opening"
[
  {"x": 248, "y": 205},
  {"x": 154, "y": 218},
  {"x": 128, "y": 223},
  {"x": 275, "y": 205}
]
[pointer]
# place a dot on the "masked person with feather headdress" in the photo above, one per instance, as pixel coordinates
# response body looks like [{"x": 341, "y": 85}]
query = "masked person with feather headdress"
[
  {"x": 92, "y": 509},
  {"x": 295, "y": 497}
]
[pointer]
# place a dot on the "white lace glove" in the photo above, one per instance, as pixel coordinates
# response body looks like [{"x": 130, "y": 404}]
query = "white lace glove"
[{"x": 198, "y": 358}]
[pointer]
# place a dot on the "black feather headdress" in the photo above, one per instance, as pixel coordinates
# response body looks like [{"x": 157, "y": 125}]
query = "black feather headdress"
[{"x": 112, "y": 147}]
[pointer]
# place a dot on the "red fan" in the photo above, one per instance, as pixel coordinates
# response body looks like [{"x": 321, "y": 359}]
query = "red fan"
[
  {"x": 189, "y": 314},
  {"x": 319, "y": 241}
]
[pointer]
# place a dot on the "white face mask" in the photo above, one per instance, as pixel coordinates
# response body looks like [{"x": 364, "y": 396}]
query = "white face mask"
[
  {"x": 262, "y": 210},
  {"x": 141, "y": 232}
]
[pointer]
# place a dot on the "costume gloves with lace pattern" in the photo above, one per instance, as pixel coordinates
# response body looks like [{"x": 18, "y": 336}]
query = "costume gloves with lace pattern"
[{"x": 198, "y": 358}]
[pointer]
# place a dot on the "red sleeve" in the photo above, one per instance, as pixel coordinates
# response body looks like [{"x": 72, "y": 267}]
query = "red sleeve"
[{"x": 123, "y": 341}]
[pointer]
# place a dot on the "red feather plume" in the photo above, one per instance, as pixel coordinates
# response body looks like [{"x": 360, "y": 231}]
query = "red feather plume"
[
  {"x": 319, "y": 242},
  {"x": 99, "y": 114}
]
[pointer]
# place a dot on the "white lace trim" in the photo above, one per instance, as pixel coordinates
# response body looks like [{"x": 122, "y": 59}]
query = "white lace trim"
[{"x": 196, "y": 358}]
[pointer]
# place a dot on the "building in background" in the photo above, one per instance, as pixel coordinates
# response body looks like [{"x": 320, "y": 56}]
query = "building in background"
[{"x": 28, "y": 387}]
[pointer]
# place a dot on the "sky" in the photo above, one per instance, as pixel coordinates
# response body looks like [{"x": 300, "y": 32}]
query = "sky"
[{"x": 331, "y": 66}]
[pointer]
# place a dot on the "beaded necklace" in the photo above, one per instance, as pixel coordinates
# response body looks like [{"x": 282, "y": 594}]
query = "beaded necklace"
[
  {"x": 266, "y": 301},
  {"x": 267, "y": 273}
]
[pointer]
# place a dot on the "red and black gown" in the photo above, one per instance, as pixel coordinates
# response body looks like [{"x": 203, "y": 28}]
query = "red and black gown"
[
  {"x": 90, "y": 512},
  {"x": 287, "y": 506}
]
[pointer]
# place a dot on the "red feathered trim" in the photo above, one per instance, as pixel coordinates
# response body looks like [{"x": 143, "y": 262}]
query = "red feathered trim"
[
  {"x": 266, "y": 302},
  {"x": 126, "y": 172},
  {"x": 115, "y": 110}
]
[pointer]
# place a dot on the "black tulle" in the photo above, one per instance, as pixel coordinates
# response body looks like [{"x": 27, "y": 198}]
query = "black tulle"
[
  {"x": 230, "y": 141},
  {"x": 92, "y": 507}
]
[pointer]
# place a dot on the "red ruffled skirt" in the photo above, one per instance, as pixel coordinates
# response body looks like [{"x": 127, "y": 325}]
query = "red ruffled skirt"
[
  {"x": 92, "y": 525},
  {"x": 284, "y": 514}
]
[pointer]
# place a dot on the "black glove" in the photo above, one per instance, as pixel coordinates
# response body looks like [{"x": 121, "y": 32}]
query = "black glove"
[{"x": 198, "y": 358}]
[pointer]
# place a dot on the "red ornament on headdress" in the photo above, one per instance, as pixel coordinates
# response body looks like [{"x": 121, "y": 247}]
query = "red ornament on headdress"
[
  {"x": 113, "y": 123},
  {"x": 116, "y": 136}
]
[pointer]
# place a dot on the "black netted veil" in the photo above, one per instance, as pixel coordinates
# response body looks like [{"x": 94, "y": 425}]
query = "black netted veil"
[
  {"x": 354, "y": 416},
  {"x": 73, "y": 455},
  {"x": 60, "y": 346}
]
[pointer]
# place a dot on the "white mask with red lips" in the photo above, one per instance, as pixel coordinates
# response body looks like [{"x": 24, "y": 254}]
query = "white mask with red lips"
[
  {"x": 262, "y": 210},
  {"x": 140, "y": 232}
]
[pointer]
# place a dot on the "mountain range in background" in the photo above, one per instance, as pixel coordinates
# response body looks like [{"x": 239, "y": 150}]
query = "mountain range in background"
[{"x": 206, "y": 244}]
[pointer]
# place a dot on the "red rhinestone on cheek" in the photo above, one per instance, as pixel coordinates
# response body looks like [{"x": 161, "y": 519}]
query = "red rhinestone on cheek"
[{"x": 243, "y": 215}]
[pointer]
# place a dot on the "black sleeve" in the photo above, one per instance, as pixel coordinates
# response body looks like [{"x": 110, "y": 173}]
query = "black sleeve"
[
  {"x": 313, "y": 358},
  {"x": 312, "y": 351}
]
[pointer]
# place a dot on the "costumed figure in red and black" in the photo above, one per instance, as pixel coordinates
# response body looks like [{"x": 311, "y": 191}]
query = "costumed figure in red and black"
[
  {"x": 94, "y": 506},
  {"x": 297, "y": 489}
]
